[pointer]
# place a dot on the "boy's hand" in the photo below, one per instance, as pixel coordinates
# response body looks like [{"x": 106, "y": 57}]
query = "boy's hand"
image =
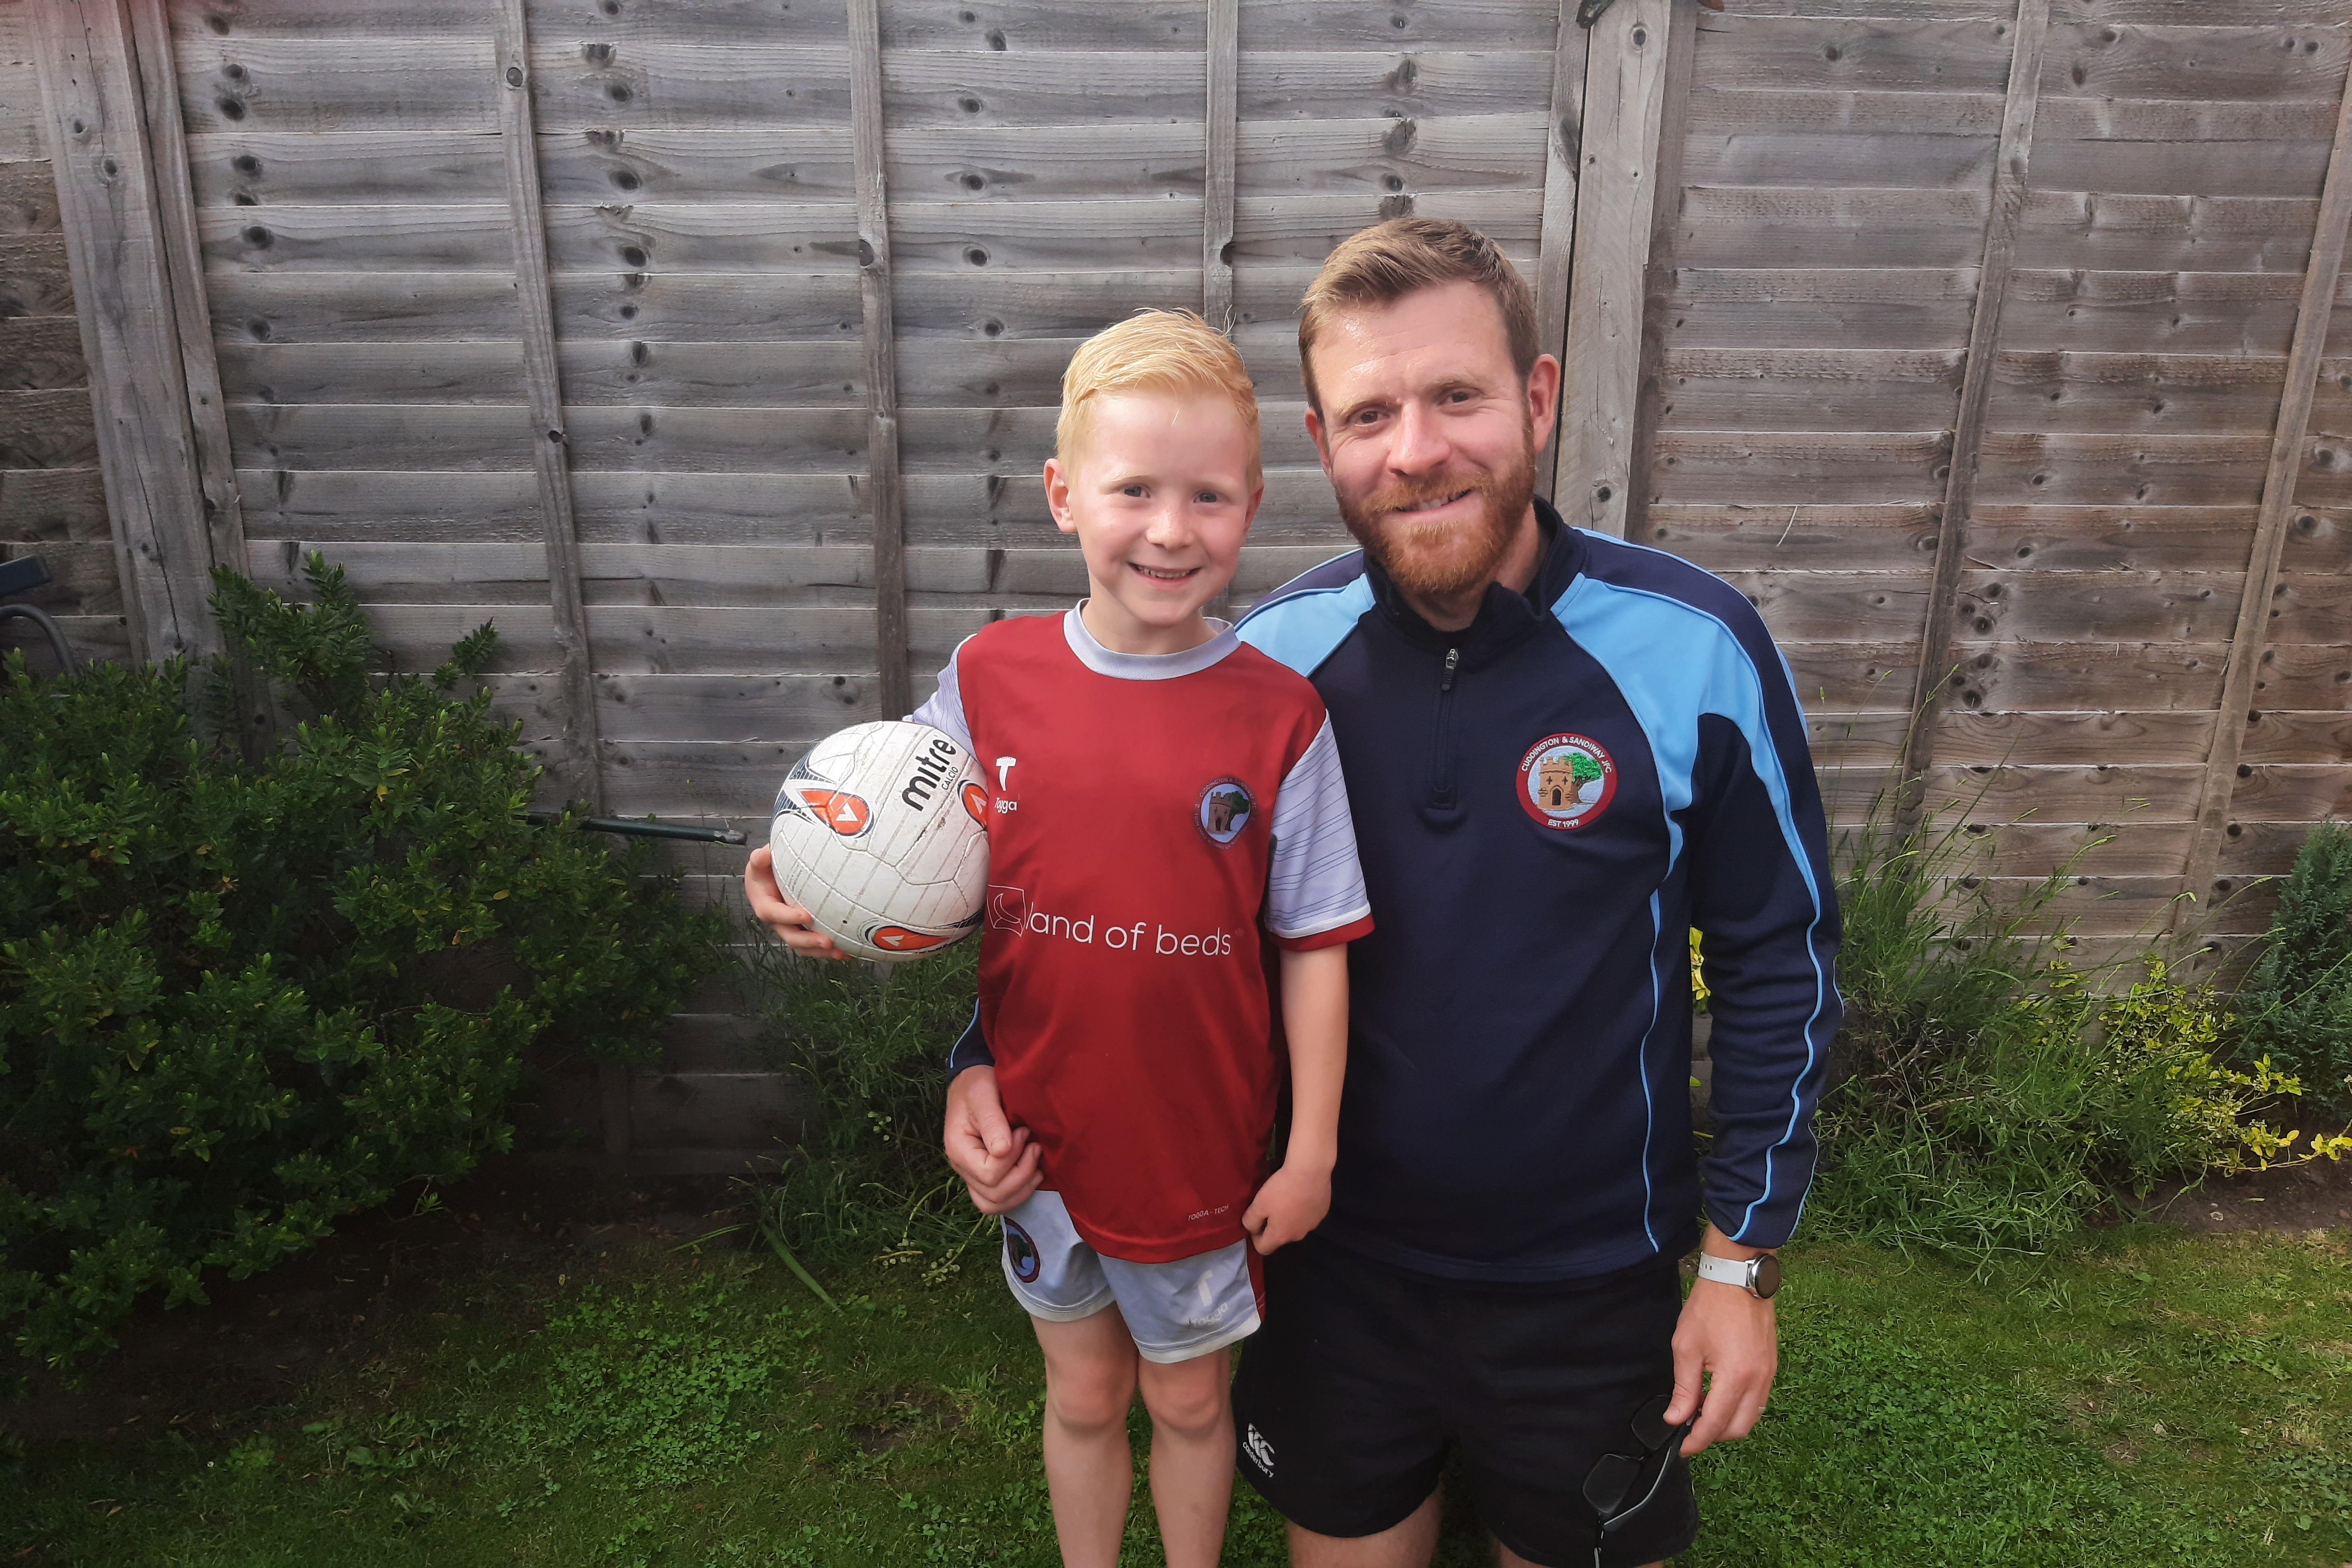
[
  {"x": 1293, "y": 1202},
  {"x": 995, "y": 1159},
  {"x": 791, "y": 922}
]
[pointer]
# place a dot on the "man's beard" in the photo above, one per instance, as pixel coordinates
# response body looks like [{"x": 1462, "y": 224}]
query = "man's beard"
[{"x": 1443, "y": 560}]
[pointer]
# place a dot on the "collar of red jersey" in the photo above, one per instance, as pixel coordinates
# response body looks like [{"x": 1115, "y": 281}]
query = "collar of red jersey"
[{"x": 1145, "y": 666}]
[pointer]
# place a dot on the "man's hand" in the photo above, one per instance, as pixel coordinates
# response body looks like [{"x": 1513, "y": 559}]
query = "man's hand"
[
  {"x": 995, "y": 1159},
  {"x": 791, "y": 922},
  {"x": 1728, "y": 1339},
  {"x": 1293, "y": 1202}
]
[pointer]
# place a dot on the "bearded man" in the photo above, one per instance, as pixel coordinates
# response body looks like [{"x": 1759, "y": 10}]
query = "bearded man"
[{"x": 1562, "y": 752}]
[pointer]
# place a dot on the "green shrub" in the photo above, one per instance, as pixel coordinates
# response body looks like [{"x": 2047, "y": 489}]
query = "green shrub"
[
  {"x": 870, "y": 1042},
  {"x": 1989, "y": 1099},
  {"x": 239, "y": 1001},
  {"x": 2296, "y": 1006}
]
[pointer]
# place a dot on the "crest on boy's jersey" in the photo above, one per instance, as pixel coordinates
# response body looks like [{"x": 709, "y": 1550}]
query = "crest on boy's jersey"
[
  {"x": 1224, "y": 810},
  {"x": 1566, "y": 781}
]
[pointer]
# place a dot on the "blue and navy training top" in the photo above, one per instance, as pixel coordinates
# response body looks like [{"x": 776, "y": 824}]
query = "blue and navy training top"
[{"x": 1545, "y": 803}]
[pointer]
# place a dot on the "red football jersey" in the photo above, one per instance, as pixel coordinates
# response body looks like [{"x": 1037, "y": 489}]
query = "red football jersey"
[{"x": 1152, "y": 821}]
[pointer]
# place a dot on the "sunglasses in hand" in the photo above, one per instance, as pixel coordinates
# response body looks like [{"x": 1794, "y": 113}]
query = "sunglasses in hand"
[{"x": 1620, "y": 1484}]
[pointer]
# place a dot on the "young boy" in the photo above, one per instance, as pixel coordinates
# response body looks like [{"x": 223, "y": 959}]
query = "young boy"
[{"x": 1163, "y": 804}]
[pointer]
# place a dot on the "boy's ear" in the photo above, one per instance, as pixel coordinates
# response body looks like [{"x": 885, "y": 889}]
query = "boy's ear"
[{"x": 1058, "y": 495}]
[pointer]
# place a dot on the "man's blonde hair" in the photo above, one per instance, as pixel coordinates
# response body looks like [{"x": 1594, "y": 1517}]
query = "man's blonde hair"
[
  {"x": 1154, "y": 350},
  {"x": 1383, "y": 264}
]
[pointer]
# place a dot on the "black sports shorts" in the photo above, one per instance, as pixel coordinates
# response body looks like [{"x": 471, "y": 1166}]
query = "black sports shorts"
[{"x": 1365, "y": 1375}]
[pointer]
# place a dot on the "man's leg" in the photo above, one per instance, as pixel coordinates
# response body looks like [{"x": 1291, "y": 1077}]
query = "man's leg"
[
  {"x": 1191, "y": 1455},
  {"x": 1409, "y": 1544},
  {"x": 1089, "y": 1383}
]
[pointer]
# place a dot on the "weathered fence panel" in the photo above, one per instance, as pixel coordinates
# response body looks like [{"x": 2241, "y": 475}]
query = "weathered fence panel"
[
  {"x": 1969, "y": 338},
  {"x": 52, "y": 497}
]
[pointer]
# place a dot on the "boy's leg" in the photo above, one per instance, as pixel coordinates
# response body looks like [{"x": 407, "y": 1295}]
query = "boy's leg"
[
  {"x": 1089, "y": 1383},
  {"x": 1191, "y": 1454}
]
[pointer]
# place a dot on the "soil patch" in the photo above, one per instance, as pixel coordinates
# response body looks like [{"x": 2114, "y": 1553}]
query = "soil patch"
[
  {"x": 2284, "y": 1199},
  {"x": 257, "y": 1341}
]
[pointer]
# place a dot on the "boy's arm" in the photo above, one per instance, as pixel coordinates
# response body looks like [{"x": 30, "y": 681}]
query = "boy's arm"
[
  {"x": 995, "y": 1159},
  {"x": 943, "y": 709},
  {"x": 1314, "y": 906},
  {"x": 1314, "y": 1017}
]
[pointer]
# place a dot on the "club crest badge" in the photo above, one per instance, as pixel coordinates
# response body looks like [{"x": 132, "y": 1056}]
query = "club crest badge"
[
  {"x": 1021, "y": 1253},
  {"x": 1224, "y": 810},
  {"x": 1566, "y": 781}
]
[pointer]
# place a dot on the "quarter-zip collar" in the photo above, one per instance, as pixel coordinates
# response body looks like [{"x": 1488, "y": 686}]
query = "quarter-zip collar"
[{"x": 1504, "y": 618}]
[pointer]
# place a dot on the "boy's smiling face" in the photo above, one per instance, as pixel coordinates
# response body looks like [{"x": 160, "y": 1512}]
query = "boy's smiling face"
[{"x": 1160, "y": 497}]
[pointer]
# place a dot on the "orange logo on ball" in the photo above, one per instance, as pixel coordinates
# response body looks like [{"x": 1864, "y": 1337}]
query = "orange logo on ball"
[
  {"x": 899, "y": 939},
  {"x": 838, "y": 809},
  {"x": 975, "y": 801}
]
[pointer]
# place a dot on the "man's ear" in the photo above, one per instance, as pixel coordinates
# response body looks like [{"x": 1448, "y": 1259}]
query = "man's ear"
[
  {"x": 1543, "y": 398},
  {"x": 1058, "y": 495},
  {"x": 1315, "y": 433}
]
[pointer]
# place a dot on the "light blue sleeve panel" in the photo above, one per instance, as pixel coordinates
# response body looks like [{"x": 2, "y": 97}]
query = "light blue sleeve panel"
[{"x": 1301, "y": 624}]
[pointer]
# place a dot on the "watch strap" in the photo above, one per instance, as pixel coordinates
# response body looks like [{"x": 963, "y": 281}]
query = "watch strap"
[{"x": 1737, "y": 1272}]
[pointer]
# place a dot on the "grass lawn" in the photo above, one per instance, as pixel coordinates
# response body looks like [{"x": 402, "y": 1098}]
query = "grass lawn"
[{"x": 2150, "y": 1398}]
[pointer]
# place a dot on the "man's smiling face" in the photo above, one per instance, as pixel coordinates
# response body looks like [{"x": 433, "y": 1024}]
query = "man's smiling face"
[{"x": 1427, "y": 433}]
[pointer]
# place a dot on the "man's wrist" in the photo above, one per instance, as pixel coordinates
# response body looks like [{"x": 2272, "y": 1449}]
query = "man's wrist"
[{"x": 1715, "y": 1244}]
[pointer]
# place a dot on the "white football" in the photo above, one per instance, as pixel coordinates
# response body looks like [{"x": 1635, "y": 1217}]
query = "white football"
[{"x": 881, "y": 833}]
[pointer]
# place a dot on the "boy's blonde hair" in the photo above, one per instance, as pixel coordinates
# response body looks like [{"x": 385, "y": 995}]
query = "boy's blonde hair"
[
  {"x": 1383, "y": 264},
  {"x": 1154, "y": 350}
]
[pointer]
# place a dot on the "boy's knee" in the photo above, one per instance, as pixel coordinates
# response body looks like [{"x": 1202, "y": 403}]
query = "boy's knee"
[
  {"x": 1191, "y": 1398},
  {"x": 1091, "y": 1397}
]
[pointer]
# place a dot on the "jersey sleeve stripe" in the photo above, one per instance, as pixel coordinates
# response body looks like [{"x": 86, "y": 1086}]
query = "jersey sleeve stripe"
[
  {"x": 1353, "y": 930},
  {"x": 1316, "y": 882}
]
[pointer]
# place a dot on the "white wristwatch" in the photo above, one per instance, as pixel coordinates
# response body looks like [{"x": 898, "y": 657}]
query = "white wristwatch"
[{"x": 1759, "y": 1277}]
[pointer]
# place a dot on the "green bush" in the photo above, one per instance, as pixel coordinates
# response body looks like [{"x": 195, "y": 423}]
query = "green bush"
[
  {"x": 239, "y": 1001},
  {"x": 2296, "y": 1006},
  {"x": 870, "y": 1042},
  {"x": 1991, "y": 1099}
]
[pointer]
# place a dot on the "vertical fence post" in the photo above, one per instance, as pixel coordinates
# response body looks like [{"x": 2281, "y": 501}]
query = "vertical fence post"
[
  {"x": 885, "y": 495},
  {"x": 2314, "y": 315},
  {"x": 578, "y": 766},
  {"x": 132, "y": 322},
  {"x": 1658, "y": 267},
  {"x": 1625, "y": 92},
  {"x": 1217, "y": 187},
  {"x": 1556, "y": 238},
  {"x": 184, "y": 266},
  {"x": 2010, "y": 183}
]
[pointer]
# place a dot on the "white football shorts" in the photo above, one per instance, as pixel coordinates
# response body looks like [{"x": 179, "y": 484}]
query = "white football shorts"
[{"x": 1174, "y": 1311}]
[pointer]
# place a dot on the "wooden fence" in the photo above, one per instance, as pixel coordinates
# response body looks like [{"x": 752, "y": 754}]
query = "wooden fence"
[{"x": 711, "y": 348}]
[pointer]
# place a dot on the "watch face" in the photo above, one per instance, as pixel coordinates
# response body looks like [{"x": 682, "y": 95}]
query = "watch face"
[{"x": 1767, "y": 1275}]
